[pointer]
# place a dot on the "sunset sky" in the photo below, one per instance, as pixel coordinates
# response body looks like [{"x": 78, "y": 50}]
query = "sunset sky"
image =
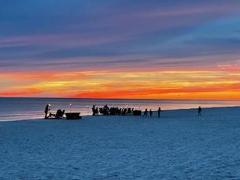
[{"x": 140, "y": 49}]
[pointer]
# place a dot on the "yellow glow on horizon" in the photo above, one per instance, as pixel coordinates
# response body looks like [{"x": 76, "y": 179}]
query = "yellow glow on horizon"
[{"x": 174, "y": 84}]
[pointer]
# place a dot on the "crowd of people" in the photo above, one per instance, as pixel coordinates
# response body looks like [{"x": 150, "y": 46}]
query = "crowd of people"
[{"x": 105, "y": 110}]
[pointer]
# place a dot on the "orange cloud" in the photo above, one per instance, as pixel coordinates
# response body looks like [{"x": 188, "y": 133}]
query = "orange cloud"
[
  {"x": 174, "y": 84},
  {"x": 22, "y": 92}
]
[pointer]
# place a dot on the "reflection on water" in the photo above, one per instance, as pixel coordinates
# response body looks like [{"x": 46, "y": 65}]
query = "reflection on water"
[{"x": 31, "y": 108}]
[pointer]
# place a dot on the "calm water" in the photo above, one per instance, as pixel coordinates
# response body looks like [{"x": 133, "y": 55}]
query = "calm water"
[{"x": 31, "y": 108}]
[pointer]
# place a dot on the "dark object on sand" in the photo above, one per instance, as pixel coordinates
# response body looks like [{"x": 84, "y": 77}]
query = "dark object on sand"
[
  {"x": 145, "y": 114},
  {"x": 59, "y": 114},
  {"x": 199, "y": 111},
  {"x": 73, "y": 116},
  {"x": 112, "y": 111},
  {"x": 46, "y": 111},
  {"x": 159, "y": 112},
  {"x": 137, "y": 113},
  {"x": 150, "y": 113},
  {"x": 94, "y": 110}
]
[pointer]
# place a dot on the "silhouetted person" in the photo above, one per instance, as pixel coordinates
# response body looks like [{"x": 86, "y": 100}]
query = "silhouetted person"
[
  {"x": 145, "y": 113},
  {"x": 159, "y": 112},
  {"x": 46, "y": 111},
  {"x": 150, "y": 113},
  {"x": 106, "y": 110},
  {"x": 106, "y": 107},
  {"x": 94, "y": 110},
  {"x": 199, "y": 111},
  {"x": 59, "y": 114}
]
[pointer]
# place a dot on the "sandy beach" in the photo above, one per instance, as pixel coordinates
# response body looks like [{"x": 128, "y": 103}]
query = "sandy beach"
[{"x": 179, "y": 145}]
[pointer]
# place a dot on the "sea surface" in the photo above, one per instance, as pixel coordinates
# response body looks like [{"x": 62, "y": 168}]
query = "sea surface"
[{"x": 33, "y": 108}]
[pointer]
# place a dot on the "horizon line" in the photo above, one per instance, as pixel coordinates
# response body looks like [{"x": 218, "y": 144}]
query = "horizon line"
[{"x": 22, "y": 97}]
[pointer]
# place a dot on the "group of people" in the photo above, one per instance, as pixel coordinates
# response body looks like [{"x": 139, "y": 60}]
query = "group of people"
[
  {"x": 150, "y": 113},
  {"x": 59, "y": 114},
  {"x": 105, "y": 110},
  {"x": 128, "y": 111}
]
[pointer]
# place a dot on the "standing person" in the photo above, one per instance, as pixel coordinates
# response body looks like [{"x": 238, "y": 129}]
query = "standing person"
[
  {"x": 159, "y": 112},
  {"x": 47, "y": 109},
  {"x": 199, "y": 111},
  {"x": 146, "y": 113},
  {"x": 106, "y": 110},
  {"x": 94, "y": 110},
  {"x": 150, "y": 113}
]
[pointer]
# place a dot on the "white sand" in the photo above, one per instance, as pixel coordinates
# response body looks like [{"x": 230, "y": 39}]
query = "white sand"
[{"x": 178, "y": 146}]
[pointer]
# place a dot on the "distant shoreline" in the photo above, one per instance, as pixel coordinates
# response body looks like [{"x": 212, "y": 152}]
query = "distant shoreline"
[{"x": 176, "y": 111}]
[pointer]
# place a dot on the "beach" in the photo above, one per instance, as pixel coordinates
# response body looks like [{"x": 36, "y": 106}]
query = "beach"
[
  {"x": 179, "y": 145},
  {"x": 33, "y": 108}
]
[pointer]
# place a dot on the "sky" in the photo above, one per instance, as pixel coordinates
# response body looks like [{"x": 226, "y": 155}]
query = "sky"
[{"x": 137, "y": 49}]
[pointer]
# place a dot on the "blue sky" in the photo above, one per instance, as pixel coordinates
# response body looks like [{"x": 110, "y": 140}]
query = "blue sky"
[{"x": 112, "y": 33}]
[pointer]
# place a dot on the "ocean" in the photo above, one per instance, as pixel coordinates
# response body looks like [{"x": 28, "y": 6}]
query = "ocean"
[{"x": 33, "y": 108}]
